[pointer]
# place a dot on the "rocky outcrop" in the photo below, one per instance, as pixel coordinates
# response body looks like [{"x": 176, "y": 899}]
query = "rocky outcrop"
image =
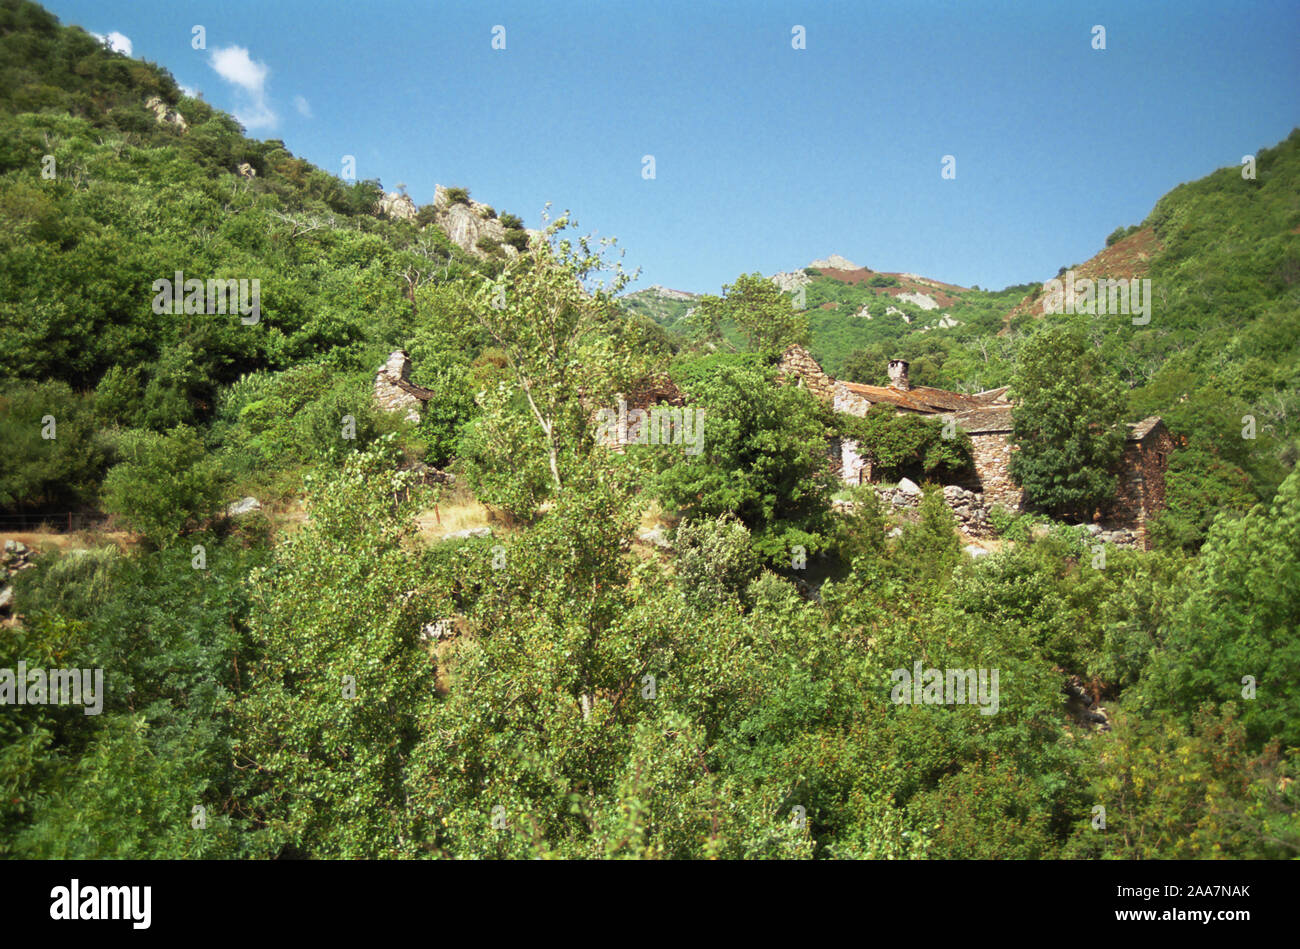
[
  {"x": 667, "y": 293},
  {"x": 165, "y": 114},
  {"x": 923, "y": 300},
  {"x": 246, "y": 170},
  {"x": 790, "y": 280},
  {"x": 244, "y": 506},
  {"x": 397, "y": 206},
  {"x": 467, "y": 223},
  {"x": 834, "y": 262}
]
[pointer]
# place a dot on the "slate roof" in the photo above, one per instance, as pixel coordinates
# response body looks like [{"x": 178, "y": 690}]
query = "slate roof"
[
  {"x": 1140, "y": 430},
  {"x": 921, "y": 398},
  {"x": 420, "y": 392},
  {"x": 992, "y": 418}
]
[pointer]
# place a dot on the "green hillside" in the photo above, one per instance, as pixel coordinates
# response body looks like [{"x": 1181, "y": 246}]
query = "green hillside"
[{"x": 690, "y": 648}]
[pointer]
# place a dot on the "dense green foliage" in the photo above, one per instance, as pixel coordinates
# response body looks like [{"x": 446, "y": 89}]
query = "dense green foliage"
[
  {"x": 1068, "y": 425},
  {"x": 908, "y": 445},
  {"x": 333, "y": 682}
]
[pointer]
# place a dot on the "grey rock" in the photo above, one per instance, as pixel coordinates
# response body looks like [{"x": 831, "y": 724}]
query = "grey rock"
[
  {"x": 655, "y": 536},
  {"x": 470, "y": 532},
  {"x": 834, "y": 262},
  {"x": 397, "y": 206},
  {"x": 909, "y": 487},
  {"x": 243, "y": 506},
  {"x": 164, "y": 115},
  {"x": 6, "y": 598}
]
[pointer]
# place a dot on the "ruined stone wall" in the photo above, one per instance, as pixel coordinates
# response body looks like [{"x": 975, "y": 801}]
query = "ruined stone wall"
[
  {"x": 853, "y": 467},
  {"x": 991, "y": 452},
  {"x": 1140, "y": 492},
  {"x": 389, "y": 395},
  {"x": 971, "y": 511},
  {"x": 798, "y": 366}
]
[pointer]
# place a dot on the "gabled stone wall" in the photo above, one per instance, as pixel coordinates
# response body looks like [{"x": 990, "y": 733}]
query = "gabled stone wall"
[
  {"x": 798, "y": 366},
  {"x": 1141, "y": 489}
]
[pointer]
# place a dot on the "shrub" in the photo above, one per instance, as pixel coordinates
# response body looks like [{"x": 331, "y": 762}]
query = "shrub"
[
  {"x": 715, "y": 560},
  {"x": 517, "y": 239},
  {"x": 164, "y": 485}
]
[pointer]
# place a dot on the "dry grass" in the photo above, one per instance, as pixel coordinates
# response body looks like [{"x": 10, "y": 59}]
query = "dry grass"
[
  {"x": 454, "y": 515},
  {"x": 45, "y": 539}
]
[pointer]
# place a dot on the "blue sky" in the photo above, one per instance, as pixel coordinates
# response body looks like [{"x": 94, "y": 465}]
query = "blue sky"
[{"x": 766, "y": 157}]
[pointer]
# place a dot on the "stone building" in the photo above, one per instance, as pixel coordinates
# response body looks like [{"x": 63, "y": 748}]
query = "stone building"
[
  {"x": 628, "y": 421},
  {"x": 1141, "y": 491},
  {"x": 986, "y": 418},
  {"x": 394, "y": 392},
  {"x": 855, "y": 467}
]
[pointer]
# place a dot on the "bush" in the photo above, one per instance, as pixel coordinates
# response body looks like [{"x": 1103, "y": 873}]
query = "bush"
[
  {"x": 511, "y": 222},
  {"x": 164, "y": 485},
  {"x": 457, "y": 195},
  {"x": 715, "y": 560},
  {"x": 49, "y": 474}
]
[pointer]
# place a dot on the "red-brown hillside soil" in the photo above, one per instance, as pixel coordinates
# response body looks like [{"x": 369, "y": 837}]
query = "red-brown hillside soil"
[
  {"x": 1122, "y": 260},
  {"x": 943, "y": 294}
]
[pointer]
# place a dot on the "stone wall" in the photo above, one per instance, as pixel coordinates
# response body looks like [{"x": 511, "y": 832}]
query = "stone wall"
[
  {"x": 390, "y": 393},
  {"x": 966, "y": 506},
  {"x": 853, "y": 467},
  {"x": 1140, "y": 492},
  {"x": 798, "y": 364},
  {"x": 843, "y": 400},
  {"x": 971, "y": 510},
  {"x": 992, "y": 455}
]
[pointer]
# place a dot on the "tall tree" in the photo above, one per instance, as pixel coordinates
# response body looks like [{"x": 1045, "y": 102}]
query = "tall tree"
[
  {"x": 763, "y": 312},
  {"x": 1068, "y": 425},
  {"x": 544, "y": 317}
]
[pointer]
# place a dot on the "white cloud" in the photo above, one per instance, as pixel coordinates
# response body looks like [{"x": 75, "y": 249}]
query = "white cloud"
[
  {"x": 118, "y": 42},
  {"x": 234, "y": 65},
  {"x": 303, "y": 107}
]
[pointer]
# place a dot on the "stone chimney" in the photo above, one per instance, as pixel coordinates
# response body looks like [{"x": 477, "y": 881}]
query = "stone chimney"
[
  {"x": 398, "y": 365},
  {"x": 898, "y": 374},
  {"x": 393, "y": 392}
]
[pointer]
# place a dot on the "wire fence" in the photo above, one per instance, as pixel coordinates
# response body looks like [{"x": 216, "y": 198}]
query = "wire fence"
[{"x": 68, "y": 521}]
